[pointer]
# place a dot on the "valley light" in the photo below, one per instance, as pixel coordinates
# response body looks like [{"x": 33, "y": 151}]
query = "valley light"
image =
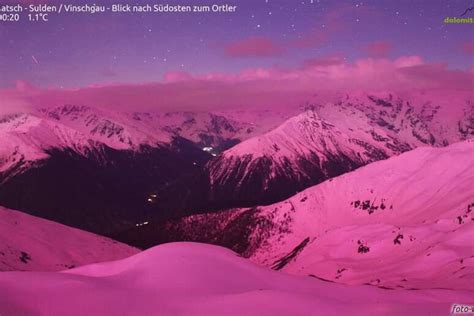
[
  {"x": 142, "y": 224},
  {"x": 150, "y": 200},
  {"x": 207, "y": 149}
]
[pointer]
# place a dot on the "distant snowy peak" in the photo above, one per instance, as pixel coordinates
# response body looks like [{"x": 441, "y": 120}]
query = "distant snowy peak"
[
  {"x": 365, "y": 126},
  {"x": 26, "y": 138},
  {"x": 131, "y": 129},
  {"x": 205, "y": 129},
  {"x": 76, "y": 127},
  {"x": 219, "y": 130},
  {"x": 73, "y": 112},
  {"x": 116, "y": 130},
  {"x": 307, "y": 134},
  {"x": 418, "y": 121}
]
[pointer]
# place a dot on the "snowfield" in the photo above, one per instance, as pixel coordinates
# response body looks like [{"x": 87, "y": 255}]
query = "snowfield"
[
  {"x": 402, "y": 223},
  {"x": 406, "y": 222},
  {"x": 34, "y": 244},
  {"x": 198, "y": 279}
]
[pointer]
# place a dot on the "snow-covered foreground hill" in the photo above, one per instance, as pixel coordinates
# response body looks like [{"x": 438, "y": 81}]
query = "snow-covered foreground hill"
[
  {"x": 405, "y": 222},
  {"x": 34, "y": 244},
  {"x": 197, "y": 279}
]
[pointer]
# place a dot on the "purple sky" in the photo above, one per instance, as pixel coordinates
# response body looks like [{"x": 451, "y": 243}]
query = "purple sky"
[
  {"x": 79, "y": 50},
  {"x": 269, "y": 53}
]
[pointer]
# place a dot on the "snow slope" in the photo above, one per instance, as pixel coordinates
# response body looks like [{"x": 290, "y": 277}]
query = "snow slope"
[
  {"x": 405, "y": 222},
  {"x": 34, "y": 244},
  {"x": 197, "y": 279},
  {"x": 414, "y": 213}
]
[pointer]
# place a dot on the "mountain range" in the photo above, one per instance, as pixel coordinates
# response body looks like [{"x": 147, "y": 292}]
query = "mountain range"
[
  {"x": 405, "y": 222},
  {"x": 369, "y": 193},
  {"x": 321, "y": 142},
  {"x": 107, "y": 172},
  {"x": 96, "y": 169}
]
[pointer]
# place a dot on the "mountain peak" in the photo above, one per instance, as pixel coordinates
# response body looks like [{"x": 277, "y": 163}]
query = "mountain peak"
[{"x": 67, "y": 110}]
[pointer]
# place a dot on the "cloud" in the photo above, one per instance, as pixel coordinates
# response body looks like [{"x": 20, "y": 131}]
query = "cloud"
[
  {"x": 175, "y": 76},
  {"x": 253, "y": 47},
  {"x": 331, "y": 23},
  {"x": 437, "y": 76},
  {"x": 257, "y": 87},
  {"x": 16, "y": 99},
  {"x": 378, "y": 49}
]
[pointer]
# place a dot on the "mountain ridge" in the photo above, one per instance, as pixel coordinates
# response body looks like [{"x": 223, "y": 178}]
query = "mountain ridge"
[
  {"x": 355, "y": 228},
  {"x": 29, "y": 243}
]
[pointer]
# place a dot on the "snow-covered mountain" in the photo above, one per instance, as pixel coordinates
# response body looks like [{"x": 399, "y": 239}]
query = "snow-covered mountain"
[
  {"x": 132, "y": 129},
  {"x": 331, "y": 139},
  {"x": 417, "y": 120},
  {"x": 115, "y": 159},
  {"x": 136, "y": 167},
  {"x": 301, "y": 152},
  {"x": 320, "y": 143},
  {"x": 26, "y": 137},
  {"x": 405, "y": 222},
  {"x": 87, "y": 168},
  {"x": 196, "y": 279},
  {"x": 29, "y": 243},
  {"x": 218, "y": 129}
]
